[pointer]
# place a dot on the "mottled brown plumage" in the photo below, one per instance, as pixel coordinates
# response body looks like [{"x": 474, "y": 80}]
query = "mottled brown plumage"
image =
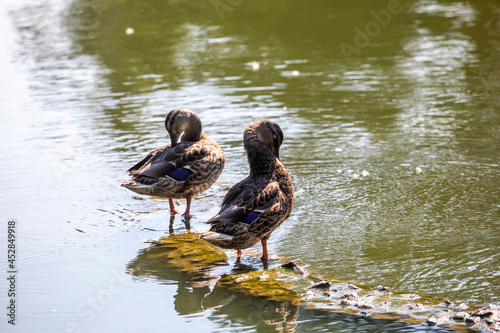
[
  {"x": 181, "y": 169},
  {"x": 256, "y": 206}
]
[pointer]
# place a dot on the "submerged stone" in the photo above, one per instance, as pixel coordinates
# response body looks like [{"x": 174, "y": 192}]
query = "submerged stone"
[
  {"x": 174, "y": 254},
  {"x": 268, "y": 285},
  {"x": 486, "y": 318},
  {"x": 439, "y": 318},
  {"x": 320, "y": 284},
  {"x": 350, "y": 298},
  {"x": 366, "y": 302},
  {"x": 281, "y": 289},
  {"x": 297, "y": 265},
  {"x": 383, "y": 289},
  {"x": 460, "y": 316}
]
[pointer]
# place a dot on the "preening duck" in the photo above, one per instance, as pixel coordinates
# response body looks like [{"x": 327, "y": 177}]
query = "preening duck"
[
  {"x": 181, "y": 169},
  {"x": 257, "y": 205}
]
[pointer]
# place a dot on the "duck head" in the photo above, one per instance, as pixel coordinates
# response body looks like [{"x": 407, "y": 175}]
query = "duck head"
[
  {"x": 267, "y": 133},
  {"x": 183, "y": 122}
]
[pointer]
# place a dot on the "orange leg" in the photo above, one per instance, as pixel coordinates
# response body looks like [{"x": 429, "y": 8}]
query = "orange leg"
[
  {"x": 265, "y": 255},
  {"x": 238, "y": 258},
  {"x": 172, "y": 207},
  {"x": 188, "y": 207}
]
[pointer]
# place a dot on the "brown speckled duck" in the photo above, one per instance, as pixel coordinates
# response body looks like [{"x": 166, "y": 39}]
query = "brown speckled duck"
[
  {"x": 181, "y": 169},
  {"x": 257, "y": 205}
]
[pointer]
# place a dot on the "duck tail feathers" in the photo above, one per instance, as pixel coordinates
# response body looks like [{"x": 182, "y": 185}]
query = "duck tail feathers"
[{"x": 212, "y": 236}]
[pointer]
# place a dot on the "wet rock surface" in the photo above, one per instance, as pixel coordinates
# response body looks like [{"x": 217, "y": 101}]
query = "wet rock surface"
[
  {"x": 383, "y": 303},
  {"x": 486, "y": 319},
  {"x": 182, "y": 254},
  {"x": 320, "y": 284},
  {"x": 287, "y": 285}
]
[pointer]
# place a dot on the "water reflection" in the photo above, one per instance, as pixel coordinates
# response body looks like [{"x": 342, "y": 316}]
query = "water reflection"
[
  {"x": 207, "y": 283},
  {"x": 251, "y": 311},
  {"x": 195, "y": 266},
  {"x": 231, "y": 298}
]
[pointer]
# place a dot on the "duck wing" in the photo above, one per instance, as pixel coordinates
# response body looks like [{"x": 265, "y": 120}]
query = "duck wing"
[
  {"x": 146, "y": 161},
  {"x": 246, "y": 200},
  {"x": 164, "y": 160}
]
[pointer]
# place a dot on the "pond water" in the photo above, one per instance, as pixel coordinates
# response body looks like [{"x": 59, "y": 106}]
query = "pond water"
[{"x": 391, "y": 116}]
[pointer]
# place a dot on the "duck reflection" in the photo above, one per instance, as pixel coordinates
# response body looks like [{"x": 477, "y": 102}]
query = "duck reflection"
[
  {"x": 265, "y": 314},
  {"x": 197, "y": 267},
  {"x": 186, "y": 220}
]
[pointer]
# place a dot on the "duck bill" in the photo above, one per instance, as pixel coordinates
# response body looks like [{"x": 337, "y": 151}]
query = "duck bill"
[{"x": 173, "y": 139}]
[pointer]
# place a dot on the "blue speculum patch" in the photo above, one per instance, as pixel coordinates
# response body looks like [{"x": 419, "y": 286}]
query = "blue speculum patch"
[
  {"x": 180, "y": 174},
  {"x": 252, "y": 217}
]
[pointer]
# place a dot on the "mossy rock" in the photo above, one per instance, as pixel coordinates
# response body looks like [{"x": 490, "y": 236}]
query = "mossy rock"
[
  {"x": 280, "y": 290},
  {"x": 178, "y": 254},
  {"x": 266, "y": 284}
]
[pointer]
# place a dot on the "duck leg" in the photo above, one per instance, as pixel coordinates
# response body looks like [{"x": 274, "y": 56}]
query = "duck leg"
[
  {"x": 265, "y": 255},
  {"x": 238, "y": 257},
  {"x": 172, "y": 207},
  {"x": 188, "y": 207}
]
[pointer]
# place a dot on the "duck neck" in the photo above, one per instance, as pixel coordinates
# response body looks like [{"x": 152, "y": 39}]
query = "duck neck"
[{"x": 261, "y": 161}]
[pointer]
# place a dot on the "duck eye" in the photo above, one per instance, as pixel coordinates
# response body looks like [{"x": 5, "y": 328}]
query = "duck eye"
[{"x": 274, "y": 136}]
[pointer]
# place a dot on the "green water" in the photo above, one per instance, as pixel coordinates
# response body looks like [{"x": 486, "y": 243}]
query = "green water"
[{"x": 365, "y": 92}]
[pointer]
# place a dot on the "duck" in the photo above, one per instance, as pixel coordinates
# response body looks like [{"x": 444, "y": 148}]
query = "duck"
[
  {"x": 186, "y": 167},
  {"x": 254, "y": 207}
]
